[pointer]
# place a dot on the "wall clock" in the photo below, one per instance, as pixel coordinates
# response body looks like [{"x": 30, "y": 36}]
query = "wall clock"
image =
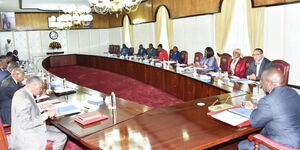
[{"x": 53, "y": 35}]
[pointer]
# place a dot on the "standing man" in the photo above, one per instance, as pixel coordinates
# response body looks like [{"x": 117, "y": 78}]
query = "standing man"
[
  {"x": 163, "y": 54},
  {"x": 258, "y": 66},
  {"x": 7, "y": 90},
  {"x": 28, "y": 128},
  {"x": 8, "y": 46},
  {"x": 277, "y": 113}
]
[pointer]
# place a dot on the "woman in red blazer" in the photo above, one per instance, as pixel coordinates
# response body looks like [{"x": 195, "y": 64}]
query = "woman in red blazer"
[{"x": 237, "y": 65}]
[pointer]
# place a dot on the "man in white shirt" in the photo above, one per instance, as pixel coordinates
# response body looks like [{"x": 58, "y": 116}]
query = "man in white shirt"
[
  {"x": 258, "y": 66},
  {"x": 8, "y": 47},
  {"x": 28, "y": 128}
]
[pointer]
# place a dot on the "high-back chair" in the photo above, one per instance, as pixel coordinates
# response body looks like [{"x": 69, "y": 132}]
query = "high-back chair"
[
  {"x": 3, "y": 138},
  {"x": 184, "y": 56},
  {"x": 197, "y": 56},
  {"x": 249, "y": 60},
  {"x": 284, "y": 67},
  {"x": 224, "y": 61},
  {"x": 260, "y": 139},
  {"x": 170, "y": 54}
]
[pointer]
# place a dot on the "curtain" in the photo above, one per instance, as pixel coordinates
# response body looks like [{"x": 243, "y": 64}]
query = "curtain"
[
  {"x": 255, "y": 26},
  {"x": 222, "y": 24},
  {"x": 127, "y": 32},
  {"x": 164, "y": 28}
]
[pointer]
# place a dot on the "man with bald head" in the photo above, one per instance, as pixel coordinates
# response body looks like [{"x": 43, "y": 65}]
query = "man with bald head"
[
  {"x": 28, "y": 128},
  {"x": 7, "y": 90},
  {"x": 277, "y": 113}
]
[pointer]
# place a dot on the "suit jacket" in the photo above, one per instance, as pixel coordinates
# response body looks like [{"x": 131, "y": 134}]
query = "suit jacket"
[
  {"x": 3, "y": 74},
  {"x": 28, "y": 130},
  {"x": 7, "y": 91},
  {"x": 176, "y": 57},
  {"x": 265, "y": 65},
  {"x": 239, "y": 70},
  {"x": 278, "y": 114}
]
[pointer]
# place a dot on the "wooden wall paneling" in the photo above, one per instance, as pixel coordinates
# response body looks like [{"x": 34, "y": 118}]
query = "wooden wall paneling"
[
  {"x": 168, "y": 3},
  {"x": 64, "y": 60},
  {"x": 190, "y": 86},
  {"x": 260, "y": 3},
  {"x": 115, "y": 21},
  {"x": 33, "y": 21},
  {"x": 143, "y": 14},
  {"x": 171, "y": 82},
  {"x": 100, "y": 21},
  {"x": 194, "y": 7},
  {"x": 1, "y": 24}
]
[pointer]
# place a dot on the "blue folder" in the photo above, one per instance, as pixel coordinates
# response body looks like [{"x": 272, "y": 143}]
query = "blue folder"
[{"x": 241, "y": 111}]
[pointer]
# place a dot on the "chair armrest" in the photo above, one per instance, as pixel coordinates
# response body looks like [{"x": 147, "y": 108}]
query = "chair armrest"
[
  {"x": 6, "y": 128},
  {"x": 260, "y": 139}
]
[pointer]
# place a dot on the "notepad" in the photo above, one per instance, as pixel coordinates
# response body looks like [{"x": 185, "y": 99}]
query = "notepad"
[{"x": 243, "y": 80}]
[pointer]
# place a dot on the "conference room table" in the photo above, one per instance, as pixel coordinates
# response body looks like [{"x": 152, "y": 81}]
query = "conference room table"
[{"x": 137, "y": 126}]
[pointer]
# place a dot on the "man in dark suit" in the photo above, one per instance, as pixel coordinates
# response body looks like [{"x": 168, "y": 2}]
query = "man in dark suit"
[
  {"x": 7, "y": 90},
  {"x": 258, "y": 66},
  {"x": 277, "y": 113},
  {"x": 3, "y": 72}
]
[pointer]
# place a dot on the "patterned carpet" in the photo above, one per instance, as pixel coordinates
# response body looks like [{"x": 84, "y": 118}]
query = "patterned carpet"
[{"x": 123, "y": 86}]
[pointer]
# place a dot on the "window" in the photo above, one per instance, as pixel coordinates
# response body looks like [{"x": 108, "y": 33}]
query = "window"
[
  {"x": 164, "y": 29},
  {"x": 127, "y": 32}
]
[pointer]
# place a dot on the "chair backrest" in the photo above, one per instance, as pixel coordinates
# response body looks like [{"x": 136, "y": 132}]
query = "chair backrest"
[
  {"x": 170, "y": 53},
  {"x": 284, "y": 67},
  {"x": 117, "y": 49},
  {"x": 3, "y": 140},
  {"x": 224, "y": 61},
  {"x": 260, "y": 139},
  {"x": 110, "y": 49},
  {"x": 249, "y": 60},
  {"x": 198, "y": 56},
  {"x": 184, "y": 56}
]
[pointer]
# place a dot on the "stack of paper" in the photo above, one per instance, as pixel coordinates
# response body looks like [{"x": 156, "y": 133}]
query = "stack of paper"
[
  {"x": 245, "y": 81},
  {"x": 90, "y": 117}
]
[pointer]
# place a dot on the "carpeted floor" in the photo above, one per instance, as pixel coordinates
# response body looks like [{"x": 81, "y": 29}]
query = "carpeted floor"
[{"x": 123, "y": 86}]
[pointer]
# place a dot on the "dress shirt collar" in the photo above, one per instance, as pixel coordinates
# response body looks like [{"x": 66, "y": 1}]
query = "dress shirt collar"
[
  {"x": 259, "y": 62},
  {"x": 14, "y": 80}
]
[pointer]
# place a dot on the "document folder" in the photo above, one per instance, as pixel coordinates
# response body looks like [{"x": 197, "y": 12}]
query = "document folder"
[
  {"x": 90, "y": 117},
  {"x": 230, "y": 118}
]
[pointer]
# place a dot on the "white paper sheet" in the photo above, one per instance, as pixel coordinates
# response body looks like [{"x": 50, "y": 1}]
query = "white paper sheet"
[{"x": 230, "y": 118}]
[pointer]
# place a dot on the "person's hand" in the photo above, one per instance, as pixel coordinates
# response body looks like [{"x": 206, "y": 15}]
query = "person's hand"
[
  {"x": 249, "y": 105},
  {"x": 251, "y": 77},
  {"x": 47, "y": 105},
  {"x": 52, "y": 113}
]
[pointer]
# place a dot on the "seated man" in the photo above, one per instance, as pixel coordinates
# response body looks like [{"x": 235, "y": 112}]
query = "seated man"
[
  {"x": 7, "y": 90},
  {"x": 142, "y": 51},
  {"x": 11, "y": 65},
  {"x": 3, "y": 72},
  {"x": 124, "y": 50},
  {"x": 163, "y": 54},
  {"x": 9, "y": 56},
  {"x": 258, "y": 66},
  {"x": 28, "y": 128},
  {"x": 176, "y": 56},
  {"x": 277, "y": 113},
  {"x": 151, "y": 51},
  {"x": 15, "y": 57}
]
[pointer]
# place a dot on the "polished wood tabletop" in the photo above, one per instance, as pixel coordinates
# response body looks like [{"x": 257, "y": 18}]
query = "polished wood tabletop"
[{"x": 136, "y": 126}]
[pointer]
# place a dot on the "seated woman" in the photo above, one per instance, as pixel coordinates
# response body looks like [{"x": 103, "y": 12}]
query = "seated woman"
[
  {"x": 208, "y": 62},
  {"x": 237, "y": 65}
]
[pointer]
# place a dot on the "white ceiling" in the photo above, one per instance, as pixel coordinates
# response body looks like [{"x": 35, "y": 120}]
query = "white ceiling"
[{"x": 37, "y": 5}]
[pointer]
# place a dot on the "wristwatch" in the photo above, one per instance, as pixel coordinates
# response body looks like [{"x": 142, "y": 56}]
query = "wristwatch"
[{"x": 53, "y": 35}]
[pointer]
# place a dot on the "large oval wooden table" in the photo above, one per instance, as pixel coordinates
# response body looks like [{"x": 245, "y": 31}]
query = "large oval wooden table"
[{"x": 136, "y": 126}]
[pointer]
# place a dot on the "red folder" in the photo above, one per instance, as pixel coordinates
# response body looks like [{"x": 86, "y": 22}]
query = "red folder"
[
  {"x": 90, "y": 117},
  {"x": 241, "y": 125}
]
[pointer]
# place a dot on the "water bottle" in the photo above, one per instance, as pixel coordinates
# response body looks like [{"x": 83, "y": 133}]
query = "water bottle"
[{"x": 113, "y": 101}]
